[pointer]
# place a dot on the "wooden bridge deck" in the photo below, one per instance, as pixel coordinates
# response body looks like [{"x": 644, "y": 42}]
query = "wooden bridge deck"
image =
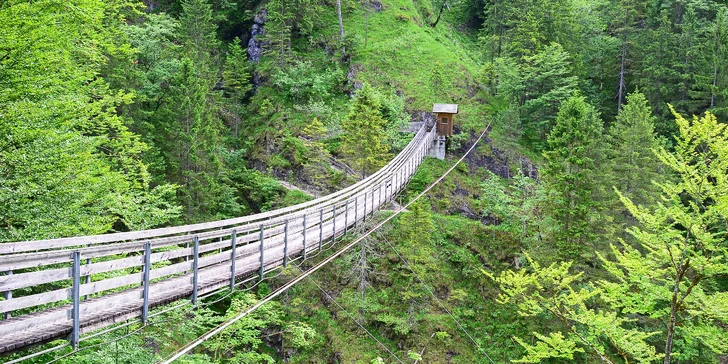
[{"x": 124, "y": 275}]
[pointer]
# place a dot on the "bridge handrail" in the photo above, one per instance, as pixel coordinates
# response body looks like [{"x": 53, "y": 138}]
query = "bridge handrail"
[{"x": 324, "y": 201}]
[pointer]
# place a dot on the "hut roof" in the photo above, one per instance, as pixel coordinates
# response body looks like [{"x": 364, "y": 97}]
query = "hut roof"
[{"x": 445, "y": 108}]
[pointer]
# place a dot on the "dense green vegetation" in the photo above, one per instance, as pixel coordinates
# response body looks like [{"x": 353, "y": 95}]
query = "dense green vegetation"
[{"x": 590, "y": 226}]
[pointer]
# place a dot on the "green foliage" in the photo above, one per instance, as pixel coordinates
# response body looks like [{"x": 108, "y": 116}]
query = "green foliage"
[
  {"x": 572, "y": 177},
  {"x": 661, "y": 281},
  {"x": 548, "y": 82},
  {"x": 517, "y": 207},
  {"x": 302, "y": 82},
  {"x": 681, "y": 240},
  {"x": 68, "y": 159},
  {"x": 364, "y": 133},
  {"x": 556, "y": 292},
  {"x": 634, "y": 164}
]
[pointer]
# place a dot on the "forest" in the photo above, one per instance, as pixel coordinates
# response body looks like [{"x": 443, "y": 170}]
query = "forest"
[{"x": 589, "y": 226}]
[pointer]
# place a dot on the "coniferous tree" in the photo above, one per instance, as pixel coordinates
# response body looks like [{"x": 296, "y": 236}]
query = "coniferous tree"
[
  {"x": 236, "y": 83},
  {"x": 547, "y": 81},
  {"x": 711, "y": 80},
  {"x": 194, "y": 133},
  {"x": 364, "y": 133},
  {"x": 633, "y": 142},
  {"x": 572, "y": 172}
]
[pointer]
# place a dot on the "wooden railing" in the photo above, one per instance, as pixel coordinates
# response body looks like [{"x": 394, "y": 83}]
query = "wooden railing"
[{"x": 50, "y": 291}]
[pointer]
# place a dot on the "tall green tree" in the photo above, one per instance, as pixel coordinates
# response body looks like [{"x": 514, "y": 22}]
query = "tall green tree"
[
  {"x": 635, "y": 166},
  {"x": 548, "y": 81},
  {"x": 363, "y": 141},
  {"x": 711, "y": 83},
  {"x": 236, "y": 84},
  {"x": 572, "y": 174},
  {"x": 193, "y": 131}
]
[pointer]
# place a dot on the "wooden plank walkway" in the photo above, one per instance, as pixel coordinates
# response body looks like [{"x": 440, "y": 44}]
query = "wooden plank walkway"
[{"x": 124, "y": 275}]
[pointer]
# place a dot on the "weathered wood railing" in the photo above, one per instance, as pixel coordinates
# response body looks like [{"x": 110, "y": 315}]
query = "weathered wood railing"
[{"x": 50, "y": 293}]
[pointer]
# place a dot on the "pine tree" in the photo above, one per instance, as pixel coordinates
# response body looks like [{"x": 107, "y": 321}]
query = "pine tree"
[
  {"x": 711, "y": 80},
  {"x": 364, "y": 133},
  {"x": 633, "y": 142},
  {"x": 682, "y": 242},
  {"x": 548, "y": 82},
  {"x": 236, "y": 83},
  {"x": 415, "y": 238},
  {"x": 571, "y": 173},
  {"x": 193, "y": 131}
]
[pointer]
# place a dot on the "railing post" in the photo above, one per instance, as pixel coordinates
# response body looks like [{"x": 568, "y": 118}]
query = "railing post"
[
  {"x": 356, "y": 212},
  {"x": 187, "y": 246},
  {"x": 364, "y": 218},
  {"x": 76, "y": 292},
  {"x": 233, "y": 253},
  {"x": 195, "y": 268},
  {"x": 262, "y": 250},
  {"x": 346, "y": 218},
  {"x": 372, "y": 202},
  {"x": 147, "y": 267},
  {"x": 321, "y": 228},
  {"x": 379, "y": 195},
  {"x": 88, "y": 277},
  {"x": 333, "y": 236},
  {"x": 304, "y": 236},
  {"x": 285, "y": 245},
  {"x": 8, "y": 295}
]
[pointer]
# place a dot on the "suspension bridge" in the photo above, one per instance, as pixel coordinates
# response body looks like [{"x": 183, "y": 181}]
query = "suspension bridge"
[{"x": 50, "y": 293}]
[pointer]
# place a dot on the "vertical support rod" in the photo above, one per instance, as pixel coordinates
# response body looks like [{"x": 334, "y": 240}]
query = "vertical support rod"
[
  {"x": 321, "y": 228},
  {"x": 262, "y": 249},
  {"x": 75, "y": 333},
  {"x": 346, "y": 218},
  {"x": 379, "y": 196},
  {"x": 88, "y": 277},
  {"x": 304, "y": 236},
  {"x": 233, "y": 254},
  {"x": 372, "y": 202},
  {"x": 364, "y": 218},
  {"x": 8, "y": 295},
  {"x": 195, "y": 268},
  {"x": 333, "y": 236},
  {"x": 285, "y": 245},
  {"x": 147, "y": 267}
]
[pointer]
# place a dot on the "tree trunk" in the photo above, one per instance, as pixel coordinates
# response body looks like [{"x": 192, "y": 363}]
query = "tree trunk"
[
  {"x": 442, "y": 8},
  {"x": 715, "y": 82},
  {"x": 622, "y": 65},
  {"x": 671, "y": 323},
  {"x": 341, "y": 28}
]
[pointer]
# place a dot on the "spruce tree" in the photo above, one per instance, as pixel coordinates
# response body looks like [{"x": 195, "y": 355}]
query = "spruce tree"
[
  {"x": 572, "y": 172},
  {"x": 548, "y": 82},
  {"x": 364, "y": 133},
  {"x": 633, "y": 142}
]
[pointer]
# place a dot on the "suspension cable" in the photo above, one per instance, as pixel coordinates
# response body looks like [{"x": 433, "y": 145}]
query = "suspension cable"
[{"x": 277, "y": 292}]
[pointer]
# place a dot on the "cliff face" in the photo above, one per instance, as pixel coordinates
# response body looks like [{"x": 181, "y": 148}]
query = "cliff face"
[{"x": 255, "y": 44}]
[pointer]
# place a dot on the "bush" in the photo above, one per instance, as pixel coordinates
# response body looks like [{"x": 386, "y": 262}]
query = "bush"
[{"x": 402, "y": 17}]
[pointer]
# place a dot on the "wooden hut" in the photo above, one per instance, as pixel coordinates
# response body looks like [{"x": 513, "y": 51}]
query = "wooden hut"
[{"x": 444, "y": 114}]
